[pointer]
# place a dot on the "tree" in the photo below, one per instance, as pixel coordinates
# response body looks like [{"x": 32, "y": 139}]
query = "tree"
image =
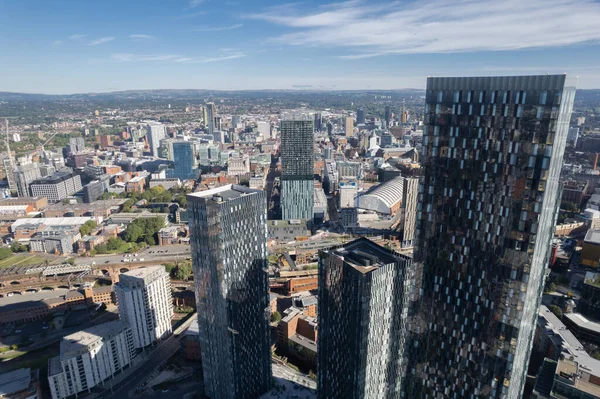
[
  {"x": 569, "y": 206},
  {"x": 183, "y": 271},
  {"x": 87, "y": 228},
  {"x": 114, "y": 244},
  {"x": 276, "y": 317},
  {"x": 5, "y": 253},
  {"x": 550, "y": 287},
  {"x": 18, "y": 247},
  {"x": 71, "y": 261},
  {"x": 556, "y": 310},
  {"x": 182, "y": 201},
  {"x": 101, "y": 249}
]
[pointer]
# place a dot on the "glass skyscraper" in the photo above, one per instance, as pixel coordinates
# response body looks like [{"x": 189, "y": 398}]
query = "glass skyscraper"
[
  {"x": 297, "y": 169},
  {"x": 363, "y": 299},
  {"x": 228, "y": 227},
  {"x": 184, "y": 161},
  {"x": 492, "y": 155}
]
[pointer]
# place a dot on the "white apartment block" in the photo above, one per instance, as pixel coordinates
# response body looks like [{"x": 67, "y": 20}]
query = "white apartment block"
[
  {"x": 89, "y": 357},
  {"x": 145, "y": 302}
]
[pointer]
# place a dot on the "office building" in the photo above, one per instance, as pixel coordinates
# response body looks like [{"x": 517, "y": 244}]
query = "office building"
[
  {"x": 348, "y": 192},
  {"x": 145, "y": 302},
  {"x": 363, "y": 305},
  {"x": 56, "y": 187},
  {"x": 387, "y": 116},
  {"x": 488, "y": 194},
  {"x": 573, "y": 136},
  {"x": 318, "y": 122},
  {"x": 360, "y": 116},
  {"x": 184, "y": 161},
  {"x": 211, "y": 113},
  {"x": 264, "y": 129},
  {"x": 76, "y": 145},
  {"x": 297, "y": 169},
  {"x": 93, "y": 190},
  {"x": 349, "y": 126},
  {"x": 90, "y": 357},
  {"x": 23, "y": 176},
  {"x": 155, "y": 133},
  {"x": 228, "y": 228}
]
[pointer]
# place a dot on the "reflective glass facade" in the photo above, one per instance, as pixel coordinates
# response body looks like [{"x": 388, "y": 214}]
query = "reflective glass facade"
[
  {"x": 297, "y": 169},
  {"x": 363, "y": 299},
  {"x": 492, "y": 154},
  {"x": 184, "y": 162},
  {"x": 228, "y": 227}
]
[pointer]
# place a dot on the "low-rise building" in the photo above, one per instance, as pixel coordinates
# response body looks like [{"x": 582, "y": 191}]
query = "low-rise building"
[
  {"x": 287, "y": 230},
  {"x": 590, "y": 251},
  {"x": 89, "y": 357},
  {"x": 170, "y": 235},
  {"x": 568, "y": 371},
  {"x": 37, "y": 203},
  {"x": 20, "y": 384},
  {"x": 190, "y": 344},
  {"x": 297, "y": 336}
]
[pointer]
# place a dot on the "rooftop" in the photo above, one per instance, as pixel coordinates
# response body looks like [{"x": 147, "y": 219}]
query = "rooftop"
[
  {"x": 224, "y": 193},
  {"x": 146, "y": 274},
  {"x": 592, "y": 237},
  {"x": 14, "y": 381},
  {"x": 567, "y": 341},
  {"x": 582, "y": 322},
  {"x": 65, "y": 221},
  {"x": 364, "y": 255},
  {"x": 304, "y": 342},
  {"x": 78, "y": 343}
]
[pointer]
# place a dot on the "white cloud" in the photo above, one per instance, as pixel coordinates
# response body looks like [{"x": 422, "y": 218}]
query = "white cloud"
[
  {"x": 137, "y": 37},
  {"x": 130, "y": 57},
  {"x": 217, "y": 28},
  {"x": 77, "y": 37},
  {"x": 190, "y": 15},
  {"x": 438, "y": 26},
  {"x": 195, "y": 3},
  {"x": 57, "y": 42},
  {"x": 102, "y": 40}
]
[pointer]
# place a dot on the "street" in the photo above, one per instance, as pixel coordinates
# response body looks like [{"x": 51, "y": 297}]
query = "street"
[
  {"x": 168, "y": 253},
  {"x": 144, "y": 365}
]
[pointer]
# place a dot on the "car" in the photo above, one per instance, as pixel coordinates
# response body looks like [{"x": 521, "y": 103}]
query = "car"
[
  {"x": 165, "y": 390},
  {"x": 17, "y": 331},
  {"x": 107, "y": 261},
  {"x": 45, "y": 327},
  {"x": 9, "y": 294}
]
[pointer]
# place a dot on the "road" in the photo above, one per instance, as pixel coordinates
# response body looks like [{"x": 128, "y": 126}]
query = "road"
[
  {"x": 155, "y": 253},
  {"x": 146, "y": 363}
]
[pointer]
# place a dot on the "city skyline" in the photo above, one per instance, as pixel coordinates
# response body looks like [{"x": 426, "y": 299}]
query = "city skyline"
[{"x": 314, "y": 45}]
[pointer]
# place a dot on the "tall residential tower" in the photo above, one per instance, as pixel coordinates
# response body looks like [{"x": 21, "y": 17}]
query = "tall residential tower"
[
  {"x": 492, "y": 155},
  {"x": 145, "y": 303},
  {"x": 228, "y": 227},
  {"x": 363, "y": 300},
  {"x": 297, "y": 169}
]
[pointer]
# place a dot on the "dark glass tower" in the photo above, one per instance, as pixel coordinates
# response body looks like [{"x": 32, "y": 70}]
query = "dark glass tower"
[
  {"x": 184, "y": 161},
  {"x": 229, "y": 251},
  {"x": 297, "y": 169},
  {"x": 363, "y": 298},
  {"x": 492, "y": 155}
]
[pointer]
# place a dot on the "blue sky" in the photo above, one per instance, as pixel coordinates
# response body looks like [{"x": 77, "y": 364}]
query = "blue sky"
[{"x": 73, "y": 46}]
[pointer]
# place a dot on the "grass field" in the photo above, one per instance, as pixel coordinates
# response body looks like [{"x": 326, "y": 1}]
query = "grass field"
[{"x": 21, "y": 261}]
